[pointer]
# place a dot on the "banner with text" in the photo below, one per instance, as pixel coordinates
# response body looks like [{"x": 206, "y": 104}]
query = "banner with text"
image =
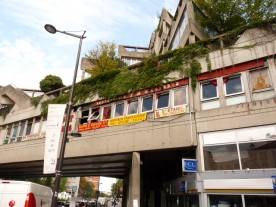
[
  {"x": 93, "y": 126},
  {"x": 53, "y": 131},
  {"x": 170, "y": 111},
  {"x": 127, "y": 119}
]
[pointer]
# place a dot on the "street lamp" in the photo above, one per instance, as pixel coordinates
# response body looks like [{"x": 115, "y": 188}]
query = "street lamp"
[{"x": 51, "y": 29}]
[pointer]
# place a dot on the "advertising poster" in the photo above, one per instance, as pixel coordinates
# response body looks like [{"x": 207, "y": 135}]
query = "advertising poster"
[
  {"x": 274, "y": 182},
  {"x": 53, "y": 132}
]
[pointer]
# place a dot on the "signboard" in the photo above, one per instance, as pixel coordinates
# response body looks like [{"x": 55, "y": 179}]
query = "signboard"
[
  {"x": 127, "y": 119},
  {"x": 74, "y": 188},
  {"x": 189, "y": 165},
  {"x": 183, "y": 186},
  {"x": 170, "y": 111},
  {"x": 72, "y": 123},
  {"x": 33, "y": 136},
  {"x": 53, "y": 132},
  {"x": 93, "y": 126},
  {"x": 274, "y": 183}
]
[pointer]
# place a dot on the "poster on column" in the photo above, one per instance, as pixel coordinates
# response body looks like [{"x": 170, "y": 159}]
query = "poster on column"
[{"x": 53, "y": 132}]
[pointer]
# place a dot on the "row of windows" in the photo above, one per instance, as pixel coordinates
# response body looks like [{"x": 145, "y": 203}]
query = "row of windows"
[
  {"x": 180, "y": 30},
  {"x": 15, "y": 131},
  {"x": 166, "y": 99},
  {"x": 248, "y": 148},
  {"x": 259, "y": 80}
]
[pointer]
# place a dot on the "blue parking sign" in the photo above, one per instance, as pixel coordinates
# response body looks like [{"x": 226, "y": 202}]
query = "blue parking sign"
[
  {"x": 189, "y": 165},
  {"x": 74, "y": 188}
]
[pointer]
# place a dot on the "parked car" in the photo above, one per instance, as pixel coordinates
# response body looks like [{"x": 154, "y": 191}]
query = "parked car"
[
  {"x": 102, "y": 202},
  {"x": 22, "y": 193},
  {"x": 62, "y": 204}
]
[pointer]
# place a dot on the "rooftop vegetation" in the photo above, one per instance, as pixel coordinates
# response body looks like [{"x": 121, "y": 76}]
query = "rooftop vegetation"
[{"x": 152, "y": 72}]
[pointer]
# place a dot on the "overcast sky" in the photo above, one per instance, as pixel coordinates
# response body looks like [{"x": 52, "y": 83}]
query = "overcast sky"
[{"x": 28, "y": 53}]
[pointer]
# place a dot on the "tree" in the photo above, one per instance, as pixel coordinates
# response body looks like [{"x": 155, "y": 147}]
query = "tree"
[
  {"x": 86, "y": 188},
  {"x": 226, "y": 15},
  {"x": 115, "y": 188},
  {"x": 50, "y": 83},
  {"x": 103, "y": 58}
]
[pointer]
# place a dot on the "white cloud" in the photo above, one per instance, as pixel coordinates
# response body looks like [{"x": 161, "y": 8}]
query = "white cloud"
[
  {"x": 29, "y": 53},
  {"x": 26, "y": 65},
  {"x": 105, "y": 183}
]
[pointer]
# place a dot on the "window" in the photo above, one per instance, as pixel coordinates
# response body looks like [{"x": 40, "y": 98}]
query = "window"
[
  {"x": 209, "y": 90},
  {"x": 132, "y": 107},
  {"x": 162, "y": 100},
  {"x": 84, "y": 116},
  {"x": 221, "y": 157},
  {"x": 253, "y": 148},
  {"x": 259, "y": 200},
  {"x": 36, "y": 125},
  {"x": 258, "y": 155},
  {"x": 119, "y": 110},
  {"x": 233, "y": 85},
  {"x": 106, "y": 112},
  {"x": 225, "y": 200},
  {"x": 21, "y": 131},
  {"x": 95, "y": 114},
  {"x": 260, "y": 79},
  {"x": 180, "y": 96},
  {"x": 29, "y": 126},
  {"x": 147, "y": 104}
]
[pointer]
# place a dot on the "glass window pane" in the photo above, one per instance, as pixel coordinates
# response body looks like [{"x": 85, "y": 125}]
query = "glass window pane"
[
  {"x": 260, "y": 79},
  {"x": 8, "y": 132},
  {"x": 225, "y": 200},
  {"x": 258, "y": 155},
  {"x": 107, "y": 112},
  {"x": 260, "y": 200},
  {"x": 147, "y": 104},
  {"x": 221, "y": 157},
  {"x": 15, "y": 129},
  {"x": 119, "y": 110},
  {"x": 132, "y": 107},
  {"x": 233, "y": 85},
  {"x": 180, "y": 97},
  {"x": 29, "y": 127},
  {"x": 163, "y": 100},
  {"x": 209, "y": 91},
  {"x": 22, "y": 127}
]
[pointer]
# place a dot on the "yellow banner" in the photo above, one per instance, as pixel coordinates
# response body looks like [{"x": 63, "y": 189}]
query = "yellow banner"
[
  {"x": 170, "y": 111},
  {"x": 127, "y": 119}
]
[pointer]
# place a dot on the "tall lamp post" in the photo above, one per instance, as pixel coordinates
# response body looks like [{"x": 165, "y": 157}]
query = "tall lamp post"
[{"x": 51, "y": 29}]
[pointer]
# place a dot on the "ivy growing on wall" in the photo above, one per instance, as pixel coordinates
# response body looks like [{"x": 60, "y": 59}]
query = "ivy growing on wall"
[{"x": 150, "y": 73}]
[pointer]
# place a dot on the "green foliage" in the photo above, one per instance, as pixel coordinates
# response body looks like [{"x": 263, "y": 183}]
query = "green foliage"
[
  {"x": 50, "y": 83},
  {"x": 103, "y": 58},
  {"x": 226, "y": 15},
  {"x": 153, "y": 71},
  {"x": 35, "y": 100},
  {"x": 63, "y": 182},
  {"x": 86, "y": 188},
  {"x": 115, "y": 188}
]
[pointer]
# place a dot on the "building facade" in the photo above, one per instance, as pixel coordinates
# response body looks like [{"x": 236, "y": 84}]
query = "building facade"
[{"x": 209, "y": 145}]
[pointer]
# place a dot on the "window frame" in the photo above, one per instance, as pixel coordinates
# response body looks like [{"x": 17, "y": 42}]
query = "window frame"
[
  {"x": 251, "y": 83},
  {"x": 201, "y": 90},
  {"x": 157, "y": 99},
  {"x": 173, "y": 96},
  {"x": 102, "y": 111},
  {"x": 142, "y": 102},
  {"x": 232, "y": 77},
  {"x": 123, "y": 108},
  {"x": 128, "y": 104}
]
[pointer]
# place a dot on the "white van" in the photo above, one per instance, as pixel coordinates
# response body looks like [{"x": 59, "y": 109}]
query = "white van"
[{"x": 24, "y": 194}]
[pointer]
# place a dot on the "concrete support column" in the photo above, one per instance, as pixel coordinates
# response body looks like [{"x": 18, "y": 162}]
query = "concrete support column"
[{"x": 134, "y": 181}]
